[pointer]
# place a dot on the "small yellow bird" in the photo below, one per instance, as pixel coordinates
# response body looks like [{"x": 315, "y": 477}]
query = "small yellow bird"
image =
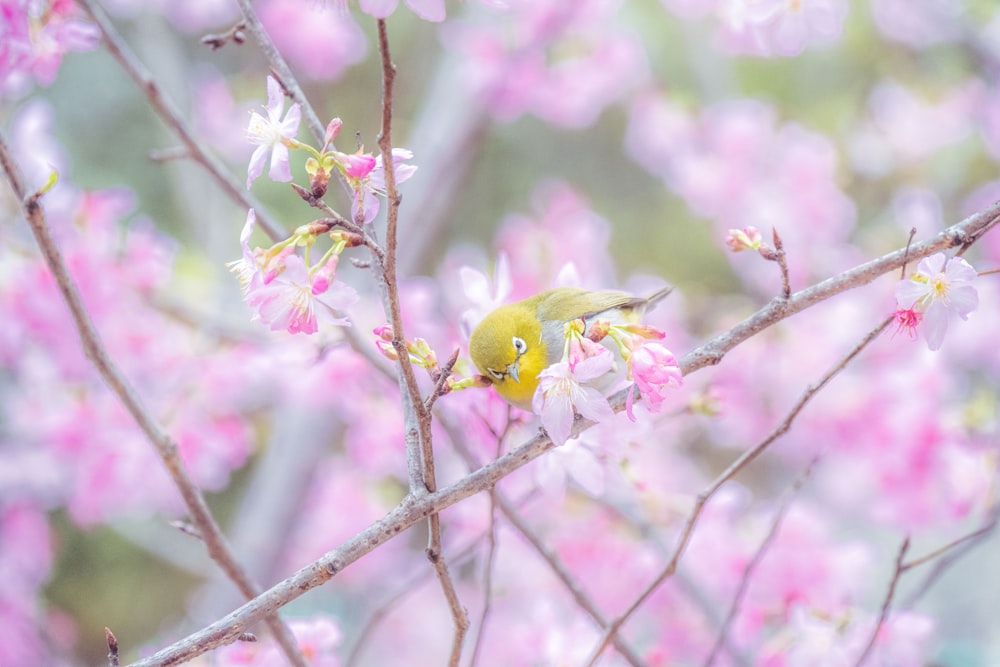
[{"x": 516, "y": 342}]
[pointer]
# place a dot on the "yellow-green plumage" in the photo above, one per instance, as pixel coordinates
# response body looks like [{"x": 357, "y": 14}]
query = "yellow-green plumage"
[{"x": 514, "y": 343}]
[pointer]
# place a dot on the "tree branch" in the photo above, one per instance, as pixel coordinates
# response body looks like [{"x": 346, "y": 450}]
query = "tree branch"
[
  {"x": 209, "y": 532},
  {"x": 415, "y": 509},
  {"x": 887, "y": 602}
]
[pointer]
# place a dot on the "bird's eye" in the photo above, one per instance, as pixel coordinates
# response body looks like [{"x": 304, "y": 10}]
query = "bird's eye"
[
  {"x": 496, "y": 374},
  {"x": 519, "y": 345}
]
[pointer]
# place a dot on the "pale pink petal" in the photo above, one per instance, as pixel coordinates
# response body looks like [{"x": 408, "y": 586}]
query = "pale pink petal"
[
  {"x": 280, "y": 169},
  {"x": 557, "y": 417},
  {"x": 963, "y": 300},
  {"x": 256, "y": 166}
]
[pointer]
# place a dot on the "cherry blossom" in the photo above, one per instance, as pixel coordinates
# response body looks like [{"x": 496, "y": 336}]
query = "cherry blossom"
[
  {"x": 273, "y": 135},
  {"x": 939, "y": 289}
]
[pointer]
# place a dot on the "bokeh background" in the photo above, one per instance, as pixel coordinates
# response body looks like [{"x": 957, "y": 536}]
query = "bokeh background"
[{"x": 623, "y": 137}]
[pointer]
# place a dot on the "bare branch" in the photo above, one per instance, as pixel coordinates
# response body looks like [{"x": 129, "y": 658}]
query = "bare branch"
[
  {"x": 216, "y": 41},
  {"x": 887, "y": 602},
  {"x": 208, "y": 530},
  {"x": 958, "y": 235},
  {"x": 782, "y": 260},
  {"x": 950, "y": 553}
]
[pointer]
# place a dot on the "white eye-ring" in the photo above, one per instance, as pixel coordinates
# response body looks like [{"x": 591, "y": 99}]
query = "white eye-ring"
[
  {"x": 496, "y": 374},
  {"x": 519, "y": 345}
]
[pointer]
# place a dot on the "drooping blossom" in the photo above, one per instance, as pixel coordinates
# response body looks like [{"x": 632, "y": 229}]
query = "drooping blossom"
[
  {"x": 563, "y": 391},
  {"x": 366, "y": 176},
  {"x": 289, "y": 302},
  {"x": 34, "y": 36},
  {"x": 940, "y": 288},
  {"x": 246, "y": 268},
  {"x": 273, "y": 135},
  {"x": 655, "y": 371}
]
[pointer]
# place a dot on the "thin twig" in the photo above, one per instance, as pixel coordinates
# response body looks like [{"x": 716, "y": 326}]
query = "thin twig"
[
  {"x": 441, "y": 380},
  {"x": 209, "y": 532},
  {"x": 490, "y": 560},
  {"x": 950, "y": 553},
  {"x": 414, "y": 509},
  {"x": 782, "y": 260},
  {"x": 422, "y": 411},
  {"x": 909, "y": 240},
  {"x": 393, "y": 199},
  {"x": 551, "y": 559},
  {"x": 730, "y": 472},
  {"x": 887, "y": 602},
  {"x": 168, "y": 112},
  {"x": 216, "y": 40},
  {"x": 758, "y": 556},
  {"x": 405, "y": 589}
]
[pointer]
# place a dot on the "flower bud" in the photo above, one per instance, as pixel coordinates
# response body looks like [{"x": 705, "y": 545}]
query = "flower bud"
[
  {"x": 748, "y": 238},
  {"x": 332, "y": 130},
  {"x": 384, "y": 332}
]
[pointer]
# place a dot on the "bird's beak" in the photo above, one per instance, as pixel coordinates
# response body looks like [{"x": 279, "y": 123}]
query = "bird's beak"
[{"x": 512, "y": 372}]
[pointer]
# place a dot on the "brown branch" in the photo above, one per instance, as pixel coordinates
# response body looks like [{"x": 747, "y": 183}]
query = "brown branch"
[
  {"x": 168, "y": 112},
  {"x": 739, "y": 464},
  {"x": 713, "y": 351},
  {"x": 421, "y": 410},
  {"x": 782, "y": 260},
  {"x": 216, "y": 40},
  {"x": 209, "y": 531},
  {"x": 415, "y": 509},
  {"x": 887, "y": 602}
]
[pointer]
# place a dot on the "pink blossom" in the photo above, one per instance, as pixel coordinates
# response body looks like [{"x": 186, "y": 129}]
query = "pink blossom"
[
  {"x": 655, "y": 371},
  {"x": 562, "y": 392},
  {"x": 907, "y": 320},
  {"x": 34, "y": 36},
  {"x": 289, "y": 302},
  {"x": 272, "y": 134},
  {"x": 246, "y": 268},
  {"x": 369, "y": 183},
  {"x": 940, "y": 288}
]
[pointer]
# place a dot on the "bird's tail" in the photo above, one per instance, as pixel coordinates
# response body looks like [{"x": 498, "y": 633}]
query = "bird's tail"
[{"x": 658, "y": 296}]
